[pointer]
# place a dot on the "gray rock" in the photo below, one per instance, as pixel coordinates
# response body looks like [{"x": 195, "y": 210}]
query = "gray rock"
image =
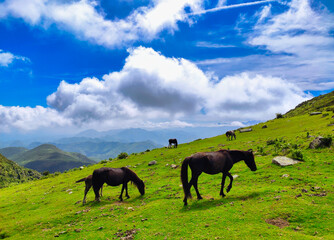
[
  {"x": 315, "y": 113},
  {"x": 173, "y": 166},
  {"x": 316, "y": 143},
  {"x": 152, "y": 163},
  {"x": 284, "y": 161},
  {"x": 245, "y": 130},
  {"x": 264, "y": 126},
  {"x": 235, "y": 176}
]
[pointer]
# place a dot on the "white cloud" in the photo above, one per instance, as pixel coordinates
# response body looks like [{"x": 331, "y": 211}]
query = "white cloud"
[
  {"x": 153, "y": 89},
  {"x": 6, "y": 58},
  {"x": 298, "y": 41},
  {"x": 302, "y": 33},
  {"x": 27, "y": 118},
  {"x": 83, "y": 20}
]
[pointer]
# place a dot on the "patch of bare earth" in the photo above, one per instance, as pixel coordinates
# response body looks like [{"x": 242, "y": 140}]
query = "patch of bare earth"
[
  {"x": 279, "y": 222},
  {"x": 126, "y": 235}
]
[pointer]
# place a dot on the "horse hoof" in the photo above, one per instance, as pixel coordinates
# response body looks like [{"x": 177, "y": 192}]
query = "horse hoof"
[{"x": 199, "y": 198}]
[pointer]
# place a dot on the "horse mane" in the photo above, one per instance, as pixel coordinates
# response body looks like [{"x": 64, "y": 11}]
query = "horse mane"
[{"x": 133, "y": 176}]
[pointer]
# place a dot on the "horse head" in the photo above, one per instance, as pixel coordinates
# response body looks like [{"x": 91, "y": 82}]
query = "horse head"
[
  {"x": 141, "y": 187},
  {"x": 250, "y": 161}
]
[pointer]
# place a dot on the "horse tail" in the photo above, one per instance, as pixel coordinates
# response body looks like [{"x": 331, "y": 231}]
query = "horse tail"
[
  {"x": 81, "y": 180},
  {"x": 184, "y": 178},
  {"x": 175, "y": 143}
]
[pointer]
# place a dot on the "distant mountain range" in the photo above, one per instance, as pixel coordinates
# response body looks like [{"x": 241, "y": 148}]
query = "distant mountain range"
[
  {"x": 160, "y": 137},
  {"x": 46, "y": 157},
  {"x": 11, "y": 172}
]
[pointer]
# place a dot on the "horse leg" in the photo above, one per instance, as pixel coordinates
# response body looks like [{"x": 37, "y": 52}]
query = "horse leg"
[
  {"x": 120, "y": 196},
  {"x": 88, "y": 186},
  {"x": 222, "y": 186},
  {"x": 231, "y": 180},
  {"x": 96, "y": 191},
  {"x": 101, "y": 190},
  {"x": 126, "y": 190},
  {"x": 194, "y": 180}
]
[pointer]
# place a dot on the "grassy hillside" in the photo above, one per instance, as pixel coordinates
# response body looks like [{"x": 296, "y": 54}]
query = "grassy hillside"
[
  {"x": 321, "y": 103},
  {"x": 49, "y": 157},
  {"x": 11, "y": 172},
  {"x": 299, "y": 197},
  {"x": 9, "y": 152}
]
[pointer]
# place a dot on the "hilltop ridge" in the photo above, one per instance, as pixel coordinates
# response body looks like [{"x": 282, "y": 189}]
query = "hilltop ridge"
[{"x": 321, "y": 103}]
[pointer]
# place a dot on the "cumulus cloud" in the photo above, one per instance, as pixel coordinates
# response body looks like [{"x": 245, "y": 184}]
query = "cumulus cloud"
[
  {"x": 6, "y": 58},
  {"x": 154, "y": 88},
  {"x": 84, "y": 20},
  {"x": 27, "y": 118}
]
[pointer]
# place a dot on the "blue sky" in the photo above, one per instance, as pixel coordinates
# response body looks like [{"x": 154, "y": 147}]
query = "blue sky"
[{"x": 75, "y": 65}]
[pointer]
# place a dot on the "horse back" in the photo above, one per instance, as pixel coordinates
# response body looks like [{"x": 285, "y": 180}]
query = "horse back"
[
  {"x": 111, "y": 176},
  {"x": 211, "y": 162}
]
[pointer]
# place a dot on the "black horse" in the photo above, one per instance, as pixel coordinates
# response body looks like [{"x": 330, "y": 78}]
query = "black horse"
[
  {"x": 88, "y": 183},
  {"x": 230, "y": 135},
  {"x": 116, "y": 177},
  {"x": 172, "y": 141},
  {"x": 213, "y": 163}
]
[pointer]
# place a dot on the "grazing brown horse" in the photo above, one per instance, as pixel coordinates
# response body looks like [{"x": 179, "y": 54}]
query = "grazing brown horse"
[
  {"x": 230, "y": 135},
  {"x": 88, "y": 183},
  {"x": 213, "y": 163},
  {"x": 116, "y": 177},
  {"x": 172, "y": 141}
]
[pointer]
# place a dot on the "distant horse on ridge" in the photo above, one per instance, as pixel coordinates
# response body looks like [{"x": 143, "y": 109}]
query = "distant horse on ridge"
[{"x": 172, "y": 141}]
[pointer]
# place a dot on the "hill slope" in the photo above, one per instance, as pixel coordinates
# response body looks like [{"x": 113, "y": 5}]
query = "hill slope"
[
  {"x": 10, "y": 172},
  {"x": 297, "y": 198},
  {"x": 48, "y": 157},
  {"x": 99, "y": 149},
  {"x": 9, "y": 152},
  {"x": 321, "y": 103}
]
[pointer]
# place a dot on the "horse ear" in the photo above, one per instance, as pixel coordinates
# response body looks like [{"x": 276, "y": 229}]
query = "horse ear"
[{"x": 250, "y": 150}]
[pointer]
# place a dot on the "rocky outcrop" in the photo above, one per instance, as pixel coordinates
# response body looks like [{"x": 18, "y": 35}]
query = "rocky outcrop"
[{"x": 284, "y": 161}]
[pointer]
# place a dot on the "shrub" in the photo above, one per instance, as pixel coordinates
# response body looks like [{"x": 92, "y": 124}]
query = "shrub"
[
  {"x": 297, "y": 154},
  {"x": 327, "y": 141},
  {"x": 122, "y": 155},
  {"x": 45, "y": 173},
  {"x": 103, "y": 161},
  {"x": 260, "y": 150},
  {"x": 279, "y": 115}
]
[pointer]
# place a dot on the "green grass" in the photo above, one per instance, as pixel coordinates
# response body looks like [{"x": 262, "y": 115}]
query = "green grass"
[{"x": 52, "y": 207}]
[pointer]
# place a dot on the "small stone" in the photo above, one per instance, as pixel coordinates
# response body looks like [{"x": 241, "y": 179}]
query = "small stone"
[
  {"x": 285, "y": 175},
  {"x": 100, "y": 228},
  {"x": 304, "y": 190},
  {"x": 235, "y": 176},
  {"x": 152, "y": 163},
  {"x": 131, "y": 208},
  {"x": 173, "y": 166},
  {"x": 299, "y": 195},
  {"x": 144, "y": 219}
]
